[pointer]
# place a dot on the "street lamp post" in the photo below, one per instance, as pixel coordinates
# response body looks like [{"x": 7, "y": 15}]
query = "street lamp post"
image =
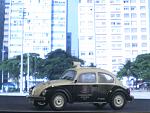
[
  {"x": 2, "y": 69},
  {"x": 21, "y": 68},
  {"x": 28, "y": 72}
]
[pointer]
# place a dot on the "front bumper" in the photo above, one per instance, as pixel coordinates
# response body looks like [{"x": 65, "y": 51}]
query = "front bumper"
[{"x": 35, "y": 98}]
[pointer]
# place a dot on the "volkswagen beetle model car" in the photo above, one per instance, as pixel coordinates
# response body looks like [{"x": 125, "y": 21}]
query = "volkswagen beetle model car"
[{"x": 81, "y": 84}]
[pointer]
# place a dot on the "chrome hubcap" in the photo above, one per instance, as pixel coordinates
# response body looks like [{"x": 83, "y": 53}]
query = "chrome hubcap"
[
  {"x": 118, "y": 101},
  {"x": 58, "y": 101}
]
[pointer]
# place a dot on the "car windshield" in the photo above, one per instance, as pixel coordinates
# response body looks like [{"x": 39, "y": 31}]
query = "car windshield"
[{"x": 69, "y": 75}]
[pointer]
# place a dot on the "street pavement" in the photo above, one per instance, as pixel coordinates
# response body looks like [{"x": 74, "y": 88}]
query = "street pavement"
[{"x": 138, "y": 94}]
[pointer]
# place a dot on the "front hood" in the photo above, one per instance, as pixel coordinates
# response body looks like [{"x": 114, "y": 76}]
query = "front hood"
[{"x": 37, "y": 90}]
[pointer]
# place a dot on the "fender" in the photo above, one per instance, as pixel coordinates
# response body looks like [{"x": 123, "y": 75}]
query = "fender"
[
  {"x": 114, "y": 90},
  {"x": 66, "y": 92}
]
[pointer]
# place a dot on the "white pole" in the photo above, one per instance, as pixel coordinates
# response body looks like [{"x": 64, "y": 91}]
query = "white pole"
[
  {"x": 21, "y": 69},
  {"x": 28, "y": 73}
]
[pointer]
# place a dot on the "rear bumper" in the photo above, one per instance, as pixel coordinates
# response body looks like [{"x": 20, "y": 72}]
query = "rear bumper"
[{"x": 130, "y": 98}]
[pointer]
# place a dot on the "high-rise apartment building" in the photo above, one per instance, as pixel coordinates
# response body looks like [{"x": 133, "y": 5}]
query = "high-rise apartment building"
[
  {"x": 2, "y": 13},
  {"x": 112, "y": 31},
  {"x": 38, "y": 25}
]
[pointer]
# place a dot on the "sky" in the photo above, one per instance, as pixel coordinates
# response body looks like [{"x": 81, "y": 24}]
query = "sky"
[{"x": 73, "y": 23}]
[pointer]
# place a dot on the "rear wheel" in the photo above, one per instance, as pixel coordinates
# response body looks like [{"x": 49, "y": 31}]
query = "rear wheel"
[
  {"x": 118, "y": 101},
  {"x": 58, "y": 101}
]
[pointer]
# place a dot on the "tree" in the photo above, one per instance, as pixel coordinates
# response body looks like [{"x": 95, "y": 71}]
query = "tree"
[
  {"x": 139, "y": 69},
  {"x": 12, "y": 66},
  {"x": 126, "y": 70},
  {"x": 141, "y": 66},
  {"x": 56, "y": 63}
]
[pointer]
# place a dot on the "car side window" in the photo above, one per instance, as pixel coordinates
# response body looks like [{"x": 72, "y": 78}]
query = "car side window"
[
  {"x": 105, "y": 78},
  {"x": 87, "y": 78},
  {"x": 69, "y": 75}
]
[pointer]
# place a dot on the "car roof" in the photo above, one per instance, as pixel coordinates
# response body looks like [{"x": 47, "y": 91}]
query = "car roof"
[{"x": 91, "y": 69}]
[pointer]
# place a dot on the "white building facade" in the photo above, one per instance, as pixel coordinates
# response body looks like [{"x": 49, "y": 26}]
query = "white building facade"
[
  {"x": 112, "y": 31},
  {"x": 35, "y": 26}
]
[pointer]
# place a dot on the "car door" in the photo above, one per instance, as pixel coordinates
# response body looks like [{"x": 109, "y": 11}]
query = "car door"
[
  {"x": 105, "y": 84},
  {"x": 85, "y": 89}
]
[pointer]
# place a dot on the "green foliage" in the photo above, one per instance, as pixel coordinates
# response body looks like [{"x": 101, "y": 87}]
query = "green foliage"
[
  {"x": 55, "y": 63},
  {"x": 140, "y": 68}
]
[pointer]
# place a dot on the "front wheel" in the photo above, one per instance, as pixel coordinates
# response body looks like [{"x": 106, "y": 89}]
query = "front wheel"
[
  {"x": 118, "y": 101},
  {"x": 58, "y": 101}
]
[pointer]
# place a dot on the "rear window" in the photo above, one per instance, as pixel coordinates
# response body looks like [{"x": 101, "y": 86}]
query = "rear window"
[{"x": 105, "y": 78}]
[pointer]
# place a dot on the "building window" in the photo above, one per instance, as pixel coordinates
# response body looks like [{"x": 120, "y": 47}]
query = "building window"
[
  {"x": 143, "y": 29},
  {"x": 133, "y": 30},
  {"x": 133, "y": 15},
  {"x": 127, "y": 23},
  {"x": 117, "y": 15},
  {"x": 126, "y": 15},
  {"x": 91, "y": 53},
  {"x": 133, "y": 23},
  {"x": 142, "y": 8},
  {"x": 126, "y": 1},
  {"x": 144, "y": 51},
  {"x": 127, "y": 45},
  {"x": 134, "y": 52},
  {"x": 132, "y": 1},
  {"x": 144, "y": 37},
  {"x": 134, "y": 37},
  {"x": 97, "y": 1},
  {"x": 82, "y": 53},
  {"x": 143, "y": 22},
  {"x": 89, "y": 1},
  {"x": 142, "y": 1},
  {"x": 126, "y": 8},
  {"x": 133, "y": 8},
  {"x": 134, "y": 45},
  {"x": 144, "y": 44},
  {"x": 127, "y": 37},
  {"x": 143, "y": 15},
  {"x": 127, "y": 30}
]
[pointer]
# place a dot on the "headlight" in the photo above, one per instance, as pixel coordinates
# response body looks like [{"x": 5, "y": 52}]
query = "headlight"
[
  {"x": 30, "y": 90},
  {"x": 44, "y": 92}
]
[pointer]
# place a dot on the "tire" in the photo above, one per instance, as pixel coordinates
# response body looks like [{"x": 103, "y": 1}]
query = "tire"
[
  {"x": 39, "y": 104},
  {"x": 58, "y": 101},
  {"x": 118, "y": 101},
  {"x": 100, "y": 105}
]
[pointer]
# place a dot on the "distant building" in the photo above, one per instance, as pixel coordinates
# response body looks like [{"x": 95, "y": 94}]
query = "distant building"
[
  {"x": 73, "y": 25},
  {"x": 68, "y": 43},
  {"x": 113, "y": 31},
  {"x": 38, "y": 25}
]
